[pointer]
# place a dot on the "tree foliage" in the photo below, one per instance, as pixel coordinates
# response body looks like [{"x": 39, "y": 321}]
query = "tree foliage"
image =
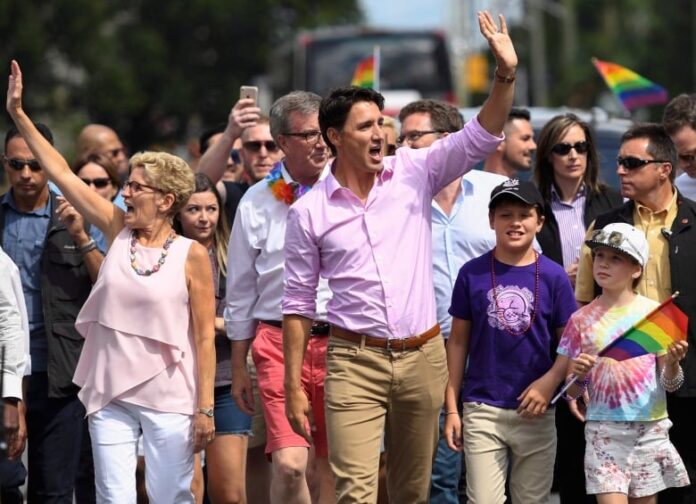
[{"x": 147, "y": 67}]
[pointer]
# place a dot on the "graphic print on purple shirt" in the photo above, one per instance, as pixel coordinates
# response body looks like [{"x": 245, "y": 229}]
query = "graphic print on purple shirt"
[
  {"x": 514, "y": 308},
  {"x": 500, "y": 364}
]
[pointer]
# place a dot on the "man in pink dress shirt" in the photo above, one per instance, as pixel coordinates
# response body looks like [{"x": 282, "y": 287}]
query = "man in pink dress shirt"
[{"x": 366, "y": 228}]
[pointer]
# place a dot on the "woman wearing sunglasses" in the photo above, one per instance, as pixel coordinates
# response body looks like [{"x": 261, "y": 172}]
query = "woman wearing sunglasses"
[
  {"x": 99, "y": 173},
  {"x": 566, "y": 173},
  {"x": 148, "y": 361}
]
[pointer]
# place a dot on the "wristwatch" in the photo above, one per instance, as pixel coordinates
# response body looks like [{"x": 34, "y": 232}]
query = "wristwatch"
[{"x": 207, "y": 412}]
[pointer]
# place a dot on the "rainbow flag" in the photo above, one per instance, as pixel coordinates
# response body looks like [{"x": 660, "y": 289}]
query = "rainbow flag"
[
  {"x": 364, "y": 75},
  {"x": 655, "y": 332},
  {"x": 633, "y": 90}
]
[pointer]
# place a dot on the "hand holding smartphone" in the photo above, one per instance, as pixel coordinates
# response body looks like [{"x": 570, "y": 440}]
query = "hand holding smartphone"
[{"x": 249, "y": 92}]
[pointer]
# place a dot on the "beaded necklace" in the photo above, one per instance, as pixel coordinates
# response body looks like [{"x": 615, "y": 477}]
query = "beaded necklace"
[
  {"x": 288, "y": 193},
  {"x": 536, "y": 295},
  {"x": 160, "y": 262}
]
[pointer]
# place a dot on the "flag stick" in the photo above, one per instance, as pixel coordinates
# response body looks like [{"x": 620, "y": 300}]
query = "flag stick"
[{"x": 376, "y": 53}]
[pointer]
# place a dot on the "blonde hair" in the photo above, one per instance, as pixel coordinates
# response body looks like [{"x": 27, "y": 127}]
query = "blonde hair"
[{"x": 168, "y": 173}]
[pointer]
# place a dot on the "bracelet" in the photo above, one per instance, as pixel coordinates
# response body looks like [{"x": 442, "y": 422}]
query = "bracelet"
[
  {"x": 505, "y": 79},
  {"x": 672, "y": 384},
  {"x": 451, "y": 413},
  {"x": 582, "y": 385},
  {"x": 88, "y": 247}
]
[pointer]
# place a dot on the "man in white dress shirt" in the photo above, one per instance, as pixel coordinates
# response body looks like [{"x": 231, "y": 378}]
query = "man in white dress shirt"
[
  {"x": 254, "y": 292},
  {"x": 460, "y": 232}
]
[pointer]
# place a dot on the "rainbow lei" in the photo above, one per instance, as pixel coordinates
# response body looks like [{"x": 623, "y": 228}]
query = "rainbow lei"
[{"x": 289, "y": 193}]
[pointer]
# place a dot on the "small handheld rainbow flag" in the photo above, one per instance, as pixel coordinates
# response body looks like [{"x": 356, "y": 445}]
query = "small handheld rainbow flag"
[
  {"x": 367, "y": 71},
  {"x": 655, "y": 332},
  {"x": 633, "y": 90}
]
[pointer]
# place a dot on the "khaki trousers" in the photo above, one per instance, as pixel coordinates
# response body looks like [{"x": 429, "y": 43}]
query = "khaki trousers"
[
  {"x": 369, "y": 391},
  {"x": 495, "y": 437}
]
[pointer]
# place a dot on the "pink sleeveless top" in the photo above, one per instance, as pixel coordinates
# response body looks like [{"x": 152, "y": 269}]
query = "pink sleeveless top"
[{"x": 139, "y": 346}]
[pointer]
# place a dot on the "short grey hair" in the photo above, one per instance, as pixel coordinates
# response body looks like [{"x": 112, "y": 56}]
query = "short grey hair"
[{"x": 304, "y": 102}]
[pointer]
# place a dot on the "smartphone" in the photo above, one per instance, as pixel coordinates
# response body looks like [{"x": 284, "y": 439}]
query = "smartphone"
[{"x": 249, "y": 92}]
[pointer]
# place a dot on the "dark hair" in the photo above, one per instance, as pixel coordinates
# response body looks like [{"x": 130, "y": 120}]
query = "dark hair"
[
  {"x": 444, "y": 117},
  {"x": 334, "y": 109},
  {"x": 222, "y": 230},
  {"x": 680, "y": 112},
  {"x": 101, "y": 160},
  {"x": 14, "y": 132},
  {"x": 550, "y": 135},
  {"x": 660, "y": 145},
  {"x": 207, "y": 134},
  {"x": 519, "y": 113}
]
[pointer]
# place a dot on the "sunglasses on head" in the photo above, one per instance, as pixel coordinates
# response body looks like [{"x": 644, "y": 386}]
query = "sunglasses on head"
[
  {"x": 613, "y": 239},
  {"x": 563, "y": 148},
  {"x": 633, "y": 163},
  {"x": 99, "y": 183},
  {"x": 19, "y": 164},
  {"x": 255, "y": 145}
]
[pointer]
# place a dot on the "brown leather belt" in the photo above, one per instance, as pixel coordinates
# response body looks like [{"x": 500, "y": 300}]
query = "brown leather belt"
[{"x": 392, "y": 344}]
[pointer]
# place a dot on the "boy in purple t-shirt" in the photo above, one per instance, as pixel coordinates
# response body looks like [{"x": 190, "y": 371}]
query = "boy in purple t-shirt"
[{"x": 509, "y": 307}]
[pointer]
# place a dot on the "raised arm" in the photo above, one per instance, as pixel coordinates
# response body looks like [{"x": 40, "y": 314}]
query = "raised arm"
[
  {"x": 97, "y": 210},
  {"x": 213, "y": 163},
  {"x": 495, "y": 111}
]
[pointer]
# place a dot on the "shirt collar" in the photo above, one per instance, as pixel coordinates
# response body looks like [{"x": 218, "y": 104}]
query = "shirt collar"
[
  {"x": 332, "y": 184},
  {"x": 582, "y": 190},
  {"x": 8, "y": 201},
  {"x": 671, "y": 207}
]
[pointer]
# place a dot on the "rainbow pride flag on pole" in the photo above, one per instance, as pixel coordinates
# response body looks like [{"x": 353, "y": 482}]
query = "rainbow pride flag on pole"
[
  {"x": 367, "y": 71},
  {"x": 633, "y": 90},
  {"x": 655, "y": 332}
]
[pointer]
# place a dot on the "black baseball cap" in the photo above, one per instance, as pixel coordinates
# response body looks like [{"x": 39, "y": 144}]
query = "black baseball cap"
[{"x": 523, "y": 190}]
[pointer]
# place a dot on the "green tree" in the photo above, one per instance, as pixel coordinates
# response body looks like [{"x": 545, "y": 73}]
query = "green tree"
[{"x": 147, "y": 67}]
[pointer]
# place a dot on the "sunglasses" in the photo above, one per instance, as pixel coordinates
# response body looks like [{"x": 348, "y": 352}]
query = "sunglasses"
[
  {"x": 136, "y": 187},
  {"x": 19, "y": 164},
  {"x": 99, "y": 183},
  {"x": 613, "y": 239},
  {"x": 115, "y": 152},
  {"x": 255, "y": 146},
  {"x": 563, "y": 148},
  {"x": 633, "y": 163}
]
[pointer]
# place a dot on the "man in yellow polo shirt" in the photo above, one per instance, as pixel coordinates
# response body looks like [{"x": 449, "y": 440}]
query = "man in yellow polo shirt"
[{"x": 646, "y": 168}]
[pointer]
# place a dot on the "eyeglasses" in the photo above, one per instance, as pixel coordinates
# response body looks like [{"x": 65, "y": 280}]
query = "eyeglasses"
[
  {"x": 613, "y": 239},
  {"x": 413, "y": 136},
  {"x": 255, "y": 145},
  {"x": 311, "y": 137},
  {"x": 563, "y": 148},
  {"x": 19, "y": 164},
  {"x": 99, "y": 183},
  {"x": 632, "y": 163},
  {"x": 136, "y": 187},
  {"x": 234, "y": 155}
]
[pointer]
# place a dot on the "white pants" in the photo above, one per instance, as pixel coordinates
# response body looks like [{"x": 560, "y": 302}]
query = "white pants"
[{"x": 168, "y": 445}]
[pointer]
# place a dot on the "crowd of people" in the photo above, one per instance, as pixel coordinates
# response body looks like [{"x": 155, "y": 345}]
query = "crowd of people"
[{"x": 336, "y": 307}]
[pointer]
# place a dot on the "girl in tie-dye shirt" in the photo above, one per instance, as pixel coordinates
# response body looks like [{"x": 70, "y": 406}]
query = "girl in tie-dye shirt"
[{"x": 628, "y": 454}]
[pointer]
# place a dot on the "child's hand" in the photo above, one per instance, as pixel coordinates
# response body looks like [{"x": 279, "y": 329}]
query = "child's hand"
[
  {"x": 582, "y": 365},
  {"x": 578, "y": 407},
  {"x": 676, "y": 352},
  {"x": 535, "y": 398},
  {"x": 452, "y": 432}
]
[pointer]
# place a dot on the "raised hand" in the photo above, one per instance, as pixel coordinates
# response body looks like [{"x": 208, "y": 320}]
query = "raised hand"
[
  {"x": 243, "y": 115},
  {"x": 499, "y": 42},
  {"x": 14, "y": 89}
]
